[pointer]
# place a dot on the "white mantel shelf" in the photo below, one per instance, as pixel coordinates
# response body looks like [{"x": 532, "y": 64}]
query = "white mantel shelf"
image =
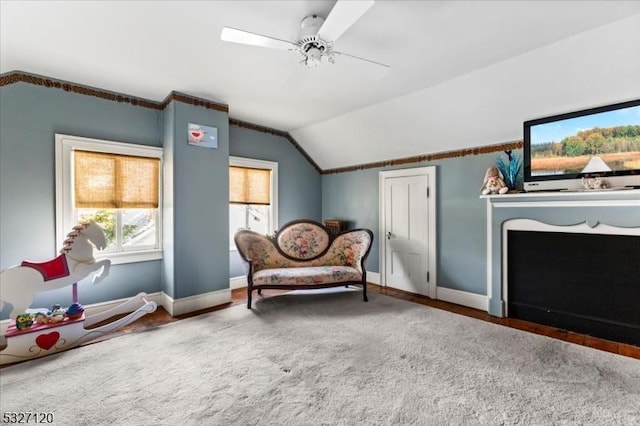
[
  {"x": 621, "y": 197},
  {"x": 589, "y": 211}
]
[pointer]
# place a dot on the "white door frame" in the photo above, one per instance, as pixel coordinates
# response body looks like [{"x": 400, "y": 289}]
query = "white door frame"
[{"x": 430, "y": 172}]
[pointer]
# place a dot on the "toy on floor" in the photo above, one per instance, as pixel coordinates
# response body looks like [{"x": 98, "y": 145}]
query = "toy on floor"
[{"x": 35, "y": 334}]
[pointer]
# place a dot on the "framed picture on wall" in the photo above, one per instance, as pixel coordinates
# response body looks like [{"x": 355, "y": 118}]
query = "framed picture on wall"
[{"x": 204, "y": 136}]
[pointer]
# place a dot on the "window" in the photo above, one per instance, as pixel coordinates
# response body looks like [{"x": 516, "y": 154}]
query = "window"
[
  {"x": 253, "y": 196},
  {"x": 117, "y": 185}
]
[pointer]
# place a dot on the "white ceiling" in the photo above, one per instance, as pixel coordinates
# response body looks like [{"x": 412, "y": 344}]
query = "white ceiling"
[{"x": 441, "y": 53}]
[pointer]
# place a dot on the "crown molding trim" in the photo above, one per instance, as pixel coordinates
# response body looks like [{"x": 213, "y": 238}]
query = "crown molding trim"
[
  {"x": 193, "y": 100},
  {"x": 270, "y": 131},
  {"x": 428, "y": 157},
  {"x": 258, "y": 128},
  {"x": 21, "y": 77},
  {"x": 174, "y": 96},
  {"x": 304, "y": 154}
]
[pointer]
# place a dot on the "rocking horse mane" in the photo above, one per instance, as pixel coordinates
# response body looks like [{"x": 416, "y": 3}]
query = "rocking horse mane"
[{"x": 71, "y": 236}]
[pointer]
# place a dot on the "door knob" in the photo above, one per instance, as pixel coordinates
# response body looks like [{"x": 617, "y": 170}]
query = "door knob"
[{"x": 389, "y": 235}]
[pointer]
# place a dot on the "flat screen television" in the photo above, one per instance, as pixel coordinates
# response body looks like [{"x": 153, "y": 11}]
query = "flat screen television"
[{"x": 601, "y": 142}]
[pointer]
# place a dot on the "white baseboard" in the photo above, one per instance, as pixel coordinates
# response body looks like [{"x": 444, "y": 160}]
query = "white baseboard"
[
  {"x": 195, "y": 303},
  {"x": 373, "y": 277},
  {"x": 459, "y": 297},
  {"x": 238, "y": 282},
  {"x": 464, "y": 298}
]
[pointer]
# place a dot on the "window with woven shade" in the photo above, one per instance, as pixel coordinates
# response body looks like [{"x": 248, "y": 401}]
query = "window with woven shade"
[
  {"x": 117, "y": 185},
  {"x": 253, "y": 195},
  {"x": 249, "y": 185},
  {"x": 115, "y": 181}
]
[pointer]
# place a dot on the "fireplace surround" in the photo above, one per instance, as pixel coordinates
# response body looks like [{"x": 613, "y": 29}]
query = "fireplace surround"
[{"x": 581, "y": 216}]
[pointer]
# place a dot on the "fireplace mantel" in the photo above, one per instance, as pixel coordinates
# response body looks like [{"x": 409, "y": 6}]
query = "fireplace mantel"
[{"x": 590, "y": 209}]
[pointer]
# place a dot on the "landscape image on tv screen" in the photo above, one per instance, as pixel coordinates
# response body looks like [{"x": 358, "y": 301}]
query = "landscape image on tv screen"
[{"x": 604, "y": 142}]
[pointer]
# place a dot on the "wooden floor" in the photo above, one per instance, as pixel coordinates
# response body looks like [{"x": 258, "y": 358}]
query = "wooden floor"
[{"x": 239, "y": 297}]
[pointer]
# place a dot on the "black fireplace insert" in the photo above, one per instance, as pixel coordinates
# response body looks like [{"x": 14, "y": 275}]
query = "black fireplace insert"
[{"x": 587, "y": 283}]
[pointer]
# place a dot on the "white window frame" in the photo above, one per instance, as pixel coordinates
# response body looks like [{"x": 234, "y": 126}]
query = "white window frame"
[
  {"x": 262, "y": 164},
  {"x": 66, "y": 216}
]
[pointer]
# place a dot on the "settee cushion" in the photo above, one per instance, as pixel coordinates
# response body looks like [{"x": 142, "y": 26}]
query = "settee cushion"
[{"x": 307, "y": 275}]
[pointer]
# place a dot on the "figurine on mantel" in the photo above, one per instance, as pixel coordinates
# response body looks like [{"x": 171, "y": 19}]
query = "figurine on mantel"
[
  {"x": 594, "y": 183},
  {"x": 493, "y": 182}
]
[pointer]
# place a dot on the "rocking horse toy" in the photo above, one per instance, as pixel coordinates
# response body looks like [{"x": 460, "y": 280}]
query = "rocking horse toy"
[{"x": 19, "y": 284}]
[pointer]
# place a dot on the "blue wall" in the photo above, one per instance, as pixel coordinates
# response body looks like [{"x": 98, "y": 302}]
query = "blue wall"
[
  {"x": 200, "y": 210},
  {"x": 197, "y": 258},
  {"x": 30, "y": 115},
  {"x": 195, "y": 222},
  {"x": 461, "y": 215},
  {"x": 299, "y": 186}
]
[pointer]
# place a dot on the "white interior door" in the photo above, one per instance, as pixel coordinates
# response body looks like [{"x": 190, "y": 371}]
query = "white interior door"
[{"x": 406, "y": 224}]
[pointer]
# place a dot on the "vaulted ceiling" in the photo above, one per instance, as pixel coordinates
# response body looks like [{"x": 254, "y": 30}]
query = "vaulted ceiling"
[{"x": 462, "y": 73}]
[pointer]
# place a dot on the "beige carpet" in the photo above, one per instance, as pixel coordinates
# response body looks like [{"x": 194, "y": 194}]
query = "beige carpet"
[{"x": 324, "y": 359}]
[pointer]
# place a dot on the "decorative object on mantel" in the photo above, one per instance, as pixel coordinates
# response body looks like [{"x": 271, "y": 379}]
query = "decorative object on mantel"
[
  {"x": 493, "y": 182},
  {"x": 594, "y": 183},
  {"x": 510, "y": 171}
]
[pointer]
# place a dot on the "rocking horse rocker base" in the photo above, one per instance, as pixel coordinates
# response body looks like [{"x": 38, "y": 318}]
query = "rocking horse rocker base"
[{"x": 47, "y": 339}]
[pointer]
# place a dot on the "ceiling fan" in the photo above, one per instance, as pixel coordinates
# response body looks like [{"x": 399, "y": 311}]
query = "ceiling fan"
[{"x": 316, "y": 37}]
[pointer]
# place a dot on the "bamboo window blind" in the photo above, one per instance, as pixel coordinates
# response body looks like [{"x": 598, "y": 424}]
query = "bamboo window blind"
[
  {"x": 103, "y": 180},
  {"x": 249, "y": 185}
]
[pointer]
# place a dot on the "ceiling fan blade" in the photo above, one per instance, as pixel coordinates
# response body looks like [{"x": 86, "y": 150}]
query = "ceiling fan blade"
[
  {"x": 235, "y": 35},
  {"x": 362, "y": 59},
  {"x": 342, "y": 16}
]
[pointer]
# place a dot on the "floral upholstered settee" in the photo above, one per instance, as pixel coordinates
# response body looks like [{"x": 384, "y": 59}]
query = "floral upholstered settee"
[{"x": 303, "y": 254}]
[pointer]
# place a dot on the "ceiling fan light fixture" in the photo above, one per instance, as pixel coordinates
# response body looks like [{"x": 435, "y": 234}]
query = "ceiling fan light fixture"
[
  {"x": 312, "y": 49},
  {"x": 314, "y": 56}
]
